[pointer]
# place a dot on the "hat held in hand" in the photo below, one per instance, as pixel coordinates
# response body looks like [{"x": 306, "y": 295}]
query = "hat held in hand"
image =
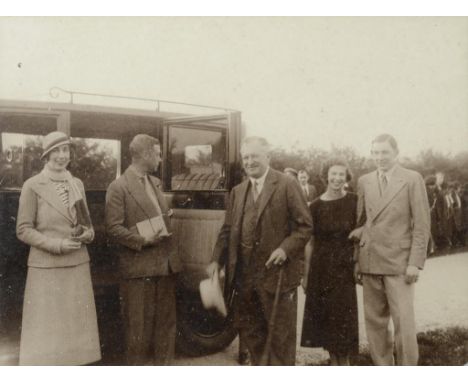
[{"x": 212, "y": 295}]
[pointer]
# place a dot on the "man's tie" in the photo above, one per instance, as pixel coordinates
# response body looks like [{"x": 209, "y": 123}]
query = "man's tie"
[
  {"x": 383, "y": 182},
  {"x": 255, "y": 190},
  {"x": 151, "y": 194},
  {"x": 306, "y": 190}
]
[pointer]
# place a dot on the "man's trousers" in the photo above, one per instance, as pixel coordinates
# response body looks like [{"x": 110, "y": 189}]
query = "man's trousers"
[
  {"x": 149, "y": 315},
  {"x": 388, "y": 296}
]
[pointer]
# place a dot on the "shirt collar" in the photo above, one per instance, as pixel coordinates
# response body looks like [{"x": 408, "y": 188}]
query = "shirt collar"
[
  {"x": 136, "y": 172},
  {"x": 260, "y": 181},
  {"x": 388, "y": 173}
]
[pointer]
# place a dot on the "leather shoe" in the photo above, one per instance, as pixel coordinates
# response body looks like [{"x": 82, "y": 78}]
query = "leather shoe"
[{"x": 244, "y": 358}]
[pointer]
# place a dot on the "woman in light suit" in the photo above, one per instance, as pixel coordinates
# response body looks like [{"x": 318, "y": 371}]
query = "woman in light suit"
[{"x": 59, "y": 315}]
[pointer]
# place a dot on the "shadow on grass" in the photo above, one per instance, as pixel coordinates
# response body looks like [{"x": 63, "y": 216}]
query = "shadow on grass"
[{"x": 441, "y": 347}]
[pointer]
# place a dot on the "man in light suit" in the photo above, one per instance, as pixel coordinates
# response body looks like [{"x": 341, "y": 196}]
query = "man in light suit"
[
  {"x": 394, "y": 212},
  {"x": 309, "y": 190},
  {"x": 266, "y": 227},
  {"x": 148, "y": 264}
]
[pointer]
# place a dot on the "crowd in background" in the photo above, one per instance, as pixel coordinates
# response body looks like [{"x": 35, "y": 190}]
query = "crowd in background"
[
  {"x": 447, "y": 190},
  {"x": 449, "y": 212}
]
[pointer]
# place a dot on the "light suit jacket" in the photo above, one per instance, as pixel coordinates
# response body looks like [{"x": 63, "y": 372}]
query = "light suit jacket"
[
  {"x": 397, "y": 224},
  {"x": 283, "y": 221},
  {"x": 127, "y": 204},
  {"x": 44, "y": 221}
]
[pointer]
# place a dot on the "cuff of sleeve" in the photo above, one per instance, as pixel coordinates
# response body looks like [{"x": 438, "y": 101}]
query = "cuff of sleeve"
[
  {"x": 57, "y": 246},
  {"x": 418, "y": 264}
]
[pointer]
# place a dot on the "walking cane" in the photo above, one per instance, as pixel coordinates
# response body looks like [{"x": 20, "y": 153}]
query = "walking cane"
[{"x": 265, "y": 359}]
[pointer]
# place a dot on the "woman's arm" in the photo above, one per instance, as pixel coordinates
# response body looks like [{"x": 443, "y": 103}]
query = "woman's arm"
[
  {"x": 25, "y": 225},
  {"x": 307, "y": 256}
]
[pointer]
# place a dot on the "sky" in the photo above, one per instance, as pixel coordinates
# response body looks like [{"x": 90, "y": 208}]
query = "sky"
[{"x": 300, "y": 82}]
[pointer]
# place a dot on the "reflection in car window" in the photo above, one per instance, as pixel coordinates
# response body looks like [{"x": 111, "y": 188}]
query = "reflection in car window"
[
  {"x": 20, "y": 158},
  {"x": 95, "y": 161},
  {"x": 197, "y": 159}
]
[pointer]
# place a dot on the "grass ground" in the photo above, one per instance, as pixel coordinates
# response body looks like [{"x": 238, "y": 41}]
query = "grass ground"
[{"x": 440, "y": 347}]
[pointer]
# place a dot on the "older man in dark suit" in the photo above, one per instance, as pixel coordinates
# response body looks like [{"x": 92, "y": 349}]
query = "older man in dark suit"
[
  {"x": 148, "y": 263},
  {"x": 266, "y": 227}
]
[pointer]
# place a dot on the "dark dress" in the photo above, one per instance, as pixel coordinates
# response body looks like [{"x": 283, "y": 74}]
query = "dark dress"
[{"x": 330, "y": 314}]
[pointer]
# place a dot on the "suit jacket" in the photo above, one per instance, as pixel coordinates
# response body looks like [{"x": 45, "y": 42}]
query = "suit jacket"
[
  {"x": 127, "y": 204},
  {"x": 397, "y": 224},
  {"x": 283, "y": 221},
  {"x": 312, "y": 195},
  {"x": 44, "y": 221}
]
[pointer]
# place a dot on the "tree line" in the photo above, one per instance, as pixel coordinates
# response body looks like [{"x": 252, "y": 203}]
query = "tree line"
[{"x": 427, "y": 163}]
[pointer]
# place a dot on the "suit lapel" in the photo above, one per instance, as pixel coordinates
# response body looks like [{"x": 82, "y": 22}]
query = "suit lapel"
[
  {"x": 269, "y": 187},
  {"x": 373, "y": 193},
  {"x": 46, "y": 190},
  {"x": 395, "y": 184},
  {"x": 137, "y": 191},
  {"x": 240, "y": 203}
]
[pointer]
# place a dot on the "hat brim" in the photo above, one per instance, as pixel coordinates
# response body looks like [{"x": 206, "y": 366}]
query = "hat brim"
[
  {"x": 58, "y": 144},
  {"x": 212, "y": 295}
]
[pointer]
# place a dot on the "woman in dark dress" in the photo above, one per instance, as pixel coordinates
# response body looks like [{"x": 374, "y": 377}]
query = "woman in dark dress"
[{"x": 330, "y": 315}]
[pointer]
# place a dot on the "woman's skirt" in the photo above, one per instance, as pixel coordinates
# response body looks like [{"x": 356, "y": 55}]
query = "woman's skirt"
[{"x": 59, "y": 317}]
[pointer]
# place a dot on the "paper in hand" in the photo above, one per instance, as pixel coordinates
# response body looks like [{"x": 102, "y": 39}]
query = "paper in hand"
[{"x": 147, "y": 228}]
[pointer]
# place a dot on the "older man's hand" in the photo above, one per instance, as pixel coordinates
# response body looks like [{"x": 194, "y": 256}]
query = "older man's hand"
[{"x": 277, "y": 257}]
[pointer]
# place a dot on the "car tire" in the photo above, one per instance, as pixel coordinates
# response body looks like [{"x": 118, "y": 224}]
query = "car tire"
[{"x": 201, "y": 332}]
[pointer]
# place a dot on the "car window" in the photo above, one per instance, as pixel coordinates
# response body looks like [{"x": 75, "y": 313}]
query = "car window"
[{"x": 197, "y": 159}]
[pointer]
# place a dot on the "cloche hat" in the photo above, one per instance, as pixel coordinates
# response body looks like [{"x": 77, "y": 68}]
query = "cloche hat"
[{"x": 53, "y": 140}]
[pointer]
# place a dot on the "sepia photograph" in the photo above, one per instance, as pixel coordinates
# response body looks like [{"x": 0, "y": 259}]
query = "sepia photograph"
[{"x": 234, "y": 191}]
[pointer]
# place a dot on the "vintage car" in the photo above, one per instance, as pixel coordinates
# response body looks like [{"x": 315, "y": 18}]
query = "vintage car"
[{"x": 200, "y": 166}]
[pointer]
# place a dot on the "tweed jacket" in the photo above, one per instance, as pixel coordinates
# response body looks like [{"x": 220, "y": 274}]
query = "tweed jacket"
[
  {"x": 283, "y": 221},
  {"x": 44, "y": 221},
  {"x": 396, "y": 230},
  {"x": 127, "y": 204}
]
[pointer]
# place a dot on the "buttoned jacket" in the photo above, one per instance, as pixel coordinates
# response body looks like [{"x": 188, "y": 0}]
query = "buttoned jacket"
[
  {"x": 44, "y": 221},
  {"x": 396, "y": 223},
  {"x": 283, "y": 221},
  {"x": 127, "y": 203}
]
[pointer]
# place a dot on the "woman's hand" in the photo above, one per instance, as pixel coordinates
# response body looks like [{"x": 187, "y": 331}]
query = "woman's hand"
[
  {"x": 86, "y": 236},
  {"x": 69, "y": 245},
  {"x": 356, "y": 234}
]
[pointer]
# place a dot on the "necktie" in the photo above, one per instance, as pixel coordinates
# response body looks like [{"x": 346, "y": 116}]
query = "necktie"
[
  {"x": 151, "y": 195},
  {"x": 306, "y": 190},
  {"x": 255, "y": 190},
  {"x": 383, "y": 182}
]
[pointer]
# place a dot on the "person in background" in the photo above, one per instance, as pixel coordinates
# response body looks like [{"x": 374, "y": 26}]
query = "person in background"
[
  {"x": 308, "y": 190},
  {"x": 393, "y": 232},
  {"x": 266, "y": 227},
  {"x": 291, "y": 172},
  {"x": 439, "y": 212},
  {"x": 429, "y": 181},
  {"x": 59, "y": 315},
  {"x": 464, "y": 203},
  {"x": 330, "y": 312},
  {"x": 457, "y": 236},
  {"x": 448, "y": 218},
  {"x": 148, "y": 264}
]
